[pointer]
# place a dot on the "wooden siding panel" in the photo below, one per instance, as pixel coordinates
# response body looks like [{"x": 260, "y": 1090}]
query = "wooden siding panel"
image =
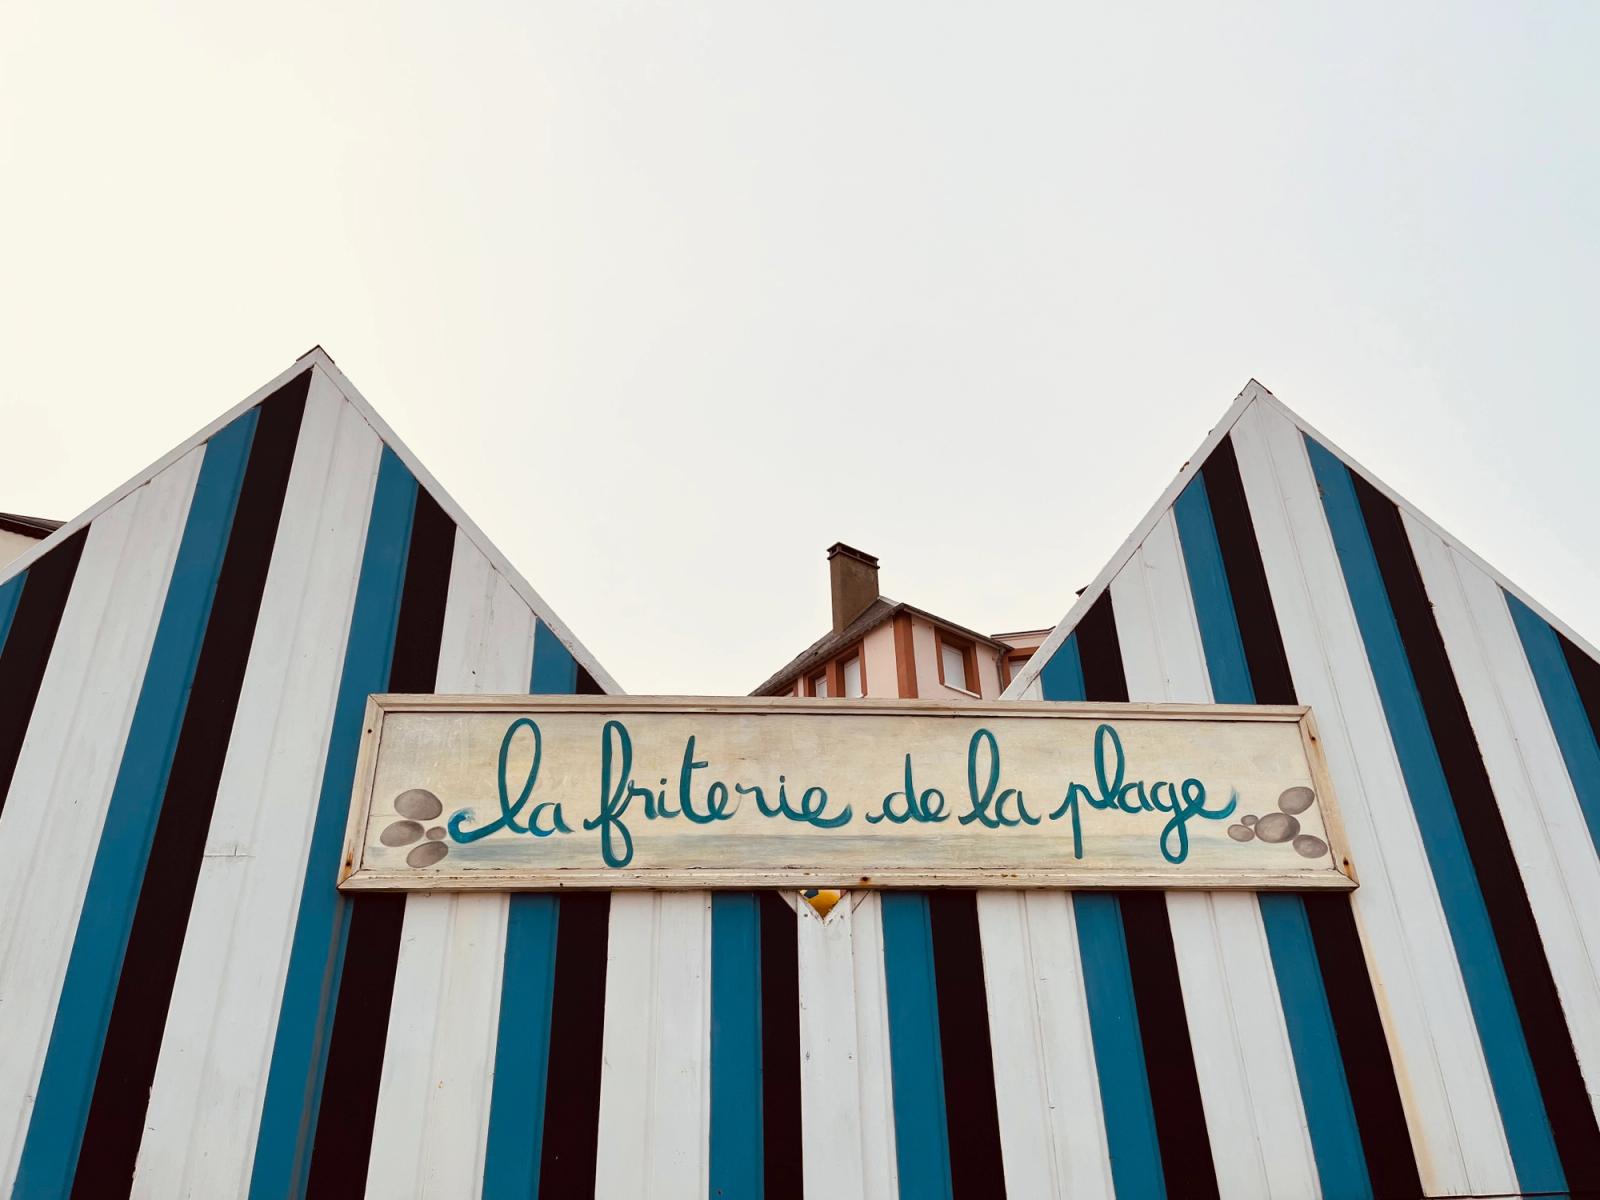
[
  {"x": 1253, "y": 1110},
  {"x": 206, "y": 1101},
  {"x": 68, "y": 766},
  {"x": 1444, "y": 1083},
  {"x": 1542, "y": 815},
  {"x": 431, "y": 1129}
]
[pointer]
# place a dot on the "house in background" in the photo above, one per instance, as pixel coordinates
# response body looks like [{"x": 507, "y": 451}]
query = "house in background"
[
  {"x": 19, "y": 534},
  {"x": 882, "y": 647}
]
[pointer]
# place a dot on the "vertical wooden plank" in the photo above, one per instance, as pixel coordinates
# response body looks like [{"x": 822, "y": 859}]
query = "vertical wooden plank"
[
  {"x": 431, "y": 1130},
  {"x": 920, "y": 1131},
  {"x": 1341, "y": 1164},
  {"x": 736, "y": 1112},
  {"x": 1381, "y": 600},
  {"x": 1455, "y": 1125},
  {"x": 1052, "y": 1125},
  {"x": 311, "y": 983},
  {"x": 1564, "y": 706},
  {"x": 67, "y": 769},
  {"x": 66, "y": 1085},
  {"x": 527, "y": 994},
  {"x": 655, "y": 1081},
  {"x": 206, "y": 1100},
  {"x": 1531, "y": 786},
  {"x": 1253, "y": 1111},
  {"x": 847, "y": 1133}
]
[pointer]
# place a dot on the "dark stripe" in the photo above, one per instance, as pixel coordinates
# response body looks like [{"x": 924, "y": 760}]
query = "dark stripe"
[
  {"x": 1499, "y": 1028},
  {"x": 349, "y": 1107},
  {"x": 316, "y": 957},
  {"x": 155, "y": 942},
  {"x": 1533, "y": 988},
  {"x": 587, "y": 685},
  {"x": 780, "y": 1048},
  {"x": 1100, "y": 654},
  {"x": 55, "y": 1127},
  {"x": 1586, "y": 677},
  {"x": 970, "y": 1114},
  {"x": 577, "y": 1028},
  {"x": 736, "y": 1128},
  {"x": 1247, "y": 578},
  {"x": 1363, "y": 1048},
  {"x": 1169, "y": 1058},
  {"x": 28, "y": 644},
  {"x": 1163, "y": 1029}
]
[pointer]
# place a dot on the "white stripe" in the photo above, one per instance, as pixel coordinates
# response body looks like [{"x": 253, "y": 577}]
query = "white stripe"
[
  {"x": 846, "y": 1094},
  {"x": 67, "y": 767},
  {"x": 1052, "y": 1126},
  {"x": 1254, "y": 1115},
  {"x": 205, "y": 1104},
  {"x": 655, "y": 1071},
  {"x": 432, "y": 1124},
  {"x": 1444, "y": 1082},
  {"x": 1543, "y": 819}
]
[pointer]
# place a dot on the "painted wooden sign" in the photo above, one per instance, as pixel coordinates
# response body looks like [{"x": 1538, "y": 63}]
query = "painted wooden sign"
[{"x": 529, "y": 792}]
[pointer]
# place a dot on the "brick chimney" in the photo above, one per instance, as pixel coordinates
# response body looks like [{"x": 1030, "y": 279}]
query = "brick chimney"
[{"x": 853, "y": 580}]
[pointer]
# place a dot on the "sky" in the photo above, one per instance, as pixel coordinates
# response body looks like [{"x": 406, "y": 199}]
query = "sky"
[{"x": 672, "y": 297}]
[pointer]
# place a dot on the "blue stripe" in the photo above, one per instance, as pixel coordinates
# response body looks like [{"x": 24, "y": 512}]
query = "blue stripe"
[
  {"x": 1324, "y": 1090},
  {"x": 1564, "y": 707},
  {"x": 554, "y": 671},
  {"x": 1061, "y": 678},
  {"x": 522, "y": 1049},
  {"x": 299, "y": 1054},
  {"x": 61, "y": 1109},
  {"x": 1130, "y": 1115},
  {"x": 916, "y": 1064},
  {"x": 1213, "y": 598},
  {"x": 10, "y": 593},
  {"x": 1522, "y": 1110},
  {"x": 527, "y": 994},
  {"x": 736, "y": 1143}
]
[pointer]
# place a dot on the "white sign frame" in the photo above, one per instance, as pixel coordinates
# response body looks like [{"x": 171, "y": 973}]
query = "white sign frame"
[{"x": 357, "y": 874}]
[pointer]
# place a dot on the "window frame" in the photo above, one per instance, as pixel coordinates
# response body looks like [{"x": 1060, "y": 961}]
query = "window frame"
[{"x": 968, "y": 649}]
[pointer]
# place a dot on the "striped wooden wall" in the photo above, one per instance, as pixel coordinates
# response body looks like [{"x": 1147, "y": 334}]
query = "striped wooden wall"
[
  {"x": 191, "y": 1009},
  {"x": 1433, "y": 1033}
]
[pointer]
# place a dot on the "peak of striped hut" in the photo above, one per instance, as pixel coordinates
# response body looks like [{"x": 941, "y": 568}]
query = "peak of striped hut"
[
  {"x": 1436, "y": 1032},
  {"x": 190, "y": 1008}
]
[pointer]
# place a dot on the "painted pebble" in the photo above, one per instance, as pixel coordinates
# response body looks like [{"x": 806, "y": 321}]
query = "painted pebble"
[
  {"x": 1277, "y": 827},
  {"x": 1241, "y": 833},
  {"x": 419, "y": 804},
  {"x": 1296, "y": 800},
  {"x": 1308, "y": 846},
  {"x": 427, "y": 854},
  {"x": 400, "y": 833}
]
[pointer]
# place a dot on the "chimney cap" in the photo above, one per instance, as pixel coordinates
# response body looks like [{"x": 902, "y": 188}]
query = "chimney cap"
[{"x": 840, "y": 548}]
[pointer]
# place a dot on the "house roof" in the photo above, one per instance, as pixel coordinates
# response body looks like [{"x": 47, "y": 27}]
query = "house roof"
[
  {"x": 34, "y": 527},
  {"x": 829, "y": 644}
]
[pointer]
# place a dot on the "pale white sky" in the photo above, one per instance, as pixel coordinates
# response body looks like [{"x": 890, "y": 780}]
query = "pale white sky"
[{"x": 670, "y": 297}]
